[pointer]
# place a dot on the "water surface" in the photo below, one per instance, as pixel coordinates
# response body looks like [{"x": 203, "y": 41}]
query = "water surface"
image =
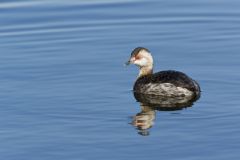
[{"x": 65, "y": 93}]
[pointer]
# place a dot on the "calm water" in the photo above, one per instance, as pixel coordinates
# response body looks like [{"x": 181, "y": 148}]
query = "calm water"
[{"x": 66, "y": 95}]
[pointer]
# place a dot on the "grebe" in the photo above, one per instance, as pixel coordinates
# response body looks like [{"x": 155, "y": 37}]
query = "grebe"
[{"x": 168, "y": 83}]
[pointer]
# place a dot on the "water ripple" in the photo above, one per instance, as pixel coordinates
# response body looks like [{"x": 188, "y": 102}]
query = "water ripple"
[
  {"x": 29, "y": 3},
  {"x": 63, "y": 84}
]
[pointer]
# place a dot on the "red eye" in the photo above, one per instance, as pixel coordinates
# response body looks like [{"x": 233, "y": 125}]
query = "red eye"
[{"x": 137, "y": 57}]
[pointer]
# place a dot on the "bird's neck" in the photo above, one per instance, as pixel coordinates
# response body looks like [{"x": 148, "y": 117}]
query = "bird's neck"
[{"x": 146, "y": 70}]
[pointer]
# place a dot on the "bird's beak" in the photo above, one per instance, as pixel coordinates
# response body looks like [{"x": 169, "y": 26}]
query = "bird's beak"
[
  {"x": 130, "y": 61},
  {"x": 127, "y": 63}
]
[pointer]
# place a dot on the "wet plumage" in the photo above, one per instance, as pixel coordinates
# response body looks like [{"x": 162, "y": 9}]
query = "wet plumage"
[
  {"x": 168, "y": 83},
  {"x": 164, "y": 83}
]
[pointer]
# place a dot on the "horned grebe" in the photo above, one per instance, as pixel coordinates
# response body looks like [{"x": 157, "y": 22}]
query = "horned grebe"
[{"x": 165, "y": 83}]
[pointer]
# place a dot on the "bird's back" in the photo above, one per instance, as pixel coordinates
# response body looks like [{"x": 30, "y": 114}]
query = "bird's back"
[{"x": 167, "y": 83}]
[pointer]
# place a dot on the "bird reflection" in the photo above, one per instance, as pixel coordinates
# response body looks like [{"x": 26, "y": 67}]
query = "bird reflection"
[
  {"x": 149, "y": 104},
  {"x": 144, "y": 119}
]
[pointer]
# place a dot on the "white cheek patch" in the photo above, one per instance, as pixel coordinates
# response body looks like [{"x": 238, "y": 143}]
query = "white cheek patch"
[{"x": 141, "y": 62}]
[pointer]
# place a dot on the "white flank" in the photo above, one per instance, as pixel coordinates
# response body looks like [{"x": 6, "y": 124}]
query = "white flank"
[{"x": 167, "y": 89}]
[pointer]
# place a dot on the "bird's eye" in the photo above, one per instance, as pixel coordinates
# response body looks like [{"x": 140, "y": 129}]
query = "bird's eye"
[{"x": 137, "y": 57}]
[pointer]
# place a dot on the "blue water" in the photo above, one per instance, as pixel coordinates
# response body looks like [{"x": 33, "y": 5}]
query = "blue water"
[{"x": 66, "y": 95}]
